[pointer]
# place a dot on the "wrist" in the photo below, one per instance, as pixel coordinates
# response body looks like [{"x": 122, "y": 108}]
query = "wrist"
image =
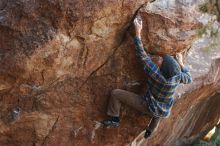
[
  {"x": 181, "y": 65},
  {"x": 138, "y": 35}
]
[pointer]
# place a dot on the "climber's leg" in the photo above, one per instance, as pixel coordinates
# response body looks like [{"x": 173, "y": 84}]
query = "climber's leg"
[
  {"x": 152, "y": 126},
  {"x": 119, "y": 96},
  {"x": 133, "y": 100}
]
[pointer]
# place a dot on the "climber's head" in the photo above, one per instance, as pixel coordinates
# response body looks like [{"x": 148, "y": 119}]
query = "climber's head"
[
  {"x": 157, "y": 60},
  {"x": 169, "y": 67}
]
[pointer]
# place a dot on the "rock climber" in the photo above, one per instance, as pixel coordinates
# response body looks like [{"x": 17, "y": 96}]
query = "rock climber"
[{"x": 164, "y": 74}]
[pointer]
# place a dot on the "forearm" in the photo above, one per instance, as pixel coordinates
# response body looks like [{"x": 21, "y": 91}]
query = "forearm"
[
  {"x": 140, "y": 48},
  {"x": 179, "y": 59},
  {"x": 138, "y": 33},
  {"x": 181, "y": 65},
  {"x": 149, "y": 66},
  {"x": 185, "y": 74}
]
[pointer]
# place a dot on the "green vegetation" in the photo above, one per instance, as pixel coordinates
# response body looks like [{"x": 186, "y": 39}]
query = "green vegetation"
[
  {"x": 204, "y": 7},
  {"x": 212, "y": 33},
  {"x": 214, "y": 141},
  {"x": 211, "y": 7}
]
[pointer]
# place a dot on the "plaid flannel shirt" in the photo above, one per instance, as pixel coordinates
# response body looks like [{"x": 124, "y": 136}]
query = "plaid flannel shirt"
[{"x": 159, "y": 96}]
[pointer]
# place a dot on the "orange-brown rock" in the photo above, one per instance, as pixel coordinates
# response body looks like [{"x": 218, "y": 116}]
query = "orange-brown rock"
[
  {"x": 60, "y": 60},
  {"x": 170, "y": 27}
]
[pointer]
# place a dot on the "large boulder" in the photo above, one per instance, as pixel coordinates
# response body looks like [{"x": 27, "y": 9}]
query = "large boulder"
[{"x": 169, "y": 26}]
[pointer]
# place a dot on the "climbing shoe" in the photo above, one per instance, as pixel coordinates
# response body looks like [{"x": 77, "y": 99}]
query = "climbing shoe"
[{"x": 112, "y": 122}]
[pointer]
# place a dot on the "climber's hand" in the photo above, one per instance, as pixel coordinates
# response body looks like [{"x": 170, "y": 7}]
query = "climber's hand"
[
  {"x": 147, "y": 133},
  {"x": 138, "y": 26},
  {"x": 179, "y": 58}
]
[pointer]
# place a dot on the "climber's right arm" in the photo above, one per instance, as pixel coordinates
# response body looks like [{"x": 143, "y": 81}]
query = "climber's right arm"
[{"x": 149, "y": 65}]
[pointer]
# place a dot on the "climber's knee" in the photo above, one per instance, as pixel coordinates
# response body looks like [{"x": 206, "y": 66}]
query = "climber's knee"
[{"x": 115, "y": 93}]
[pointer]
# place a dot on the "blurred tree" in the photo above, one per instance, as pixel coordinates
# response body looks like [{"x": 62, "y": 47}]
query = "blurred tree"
[{"x": 212, "y": 7}]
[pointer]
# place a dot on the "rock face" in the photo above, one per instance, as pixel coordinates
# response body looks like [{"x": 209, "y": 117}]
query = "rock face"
[
  {"x": 60, "y": 60},
  {"x": 170, "y": 26}
]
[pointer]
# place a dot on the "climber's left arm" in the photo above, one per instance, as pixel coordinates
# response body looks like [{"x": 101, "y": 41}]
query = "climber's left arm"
[{"x": 186, "y": 77}]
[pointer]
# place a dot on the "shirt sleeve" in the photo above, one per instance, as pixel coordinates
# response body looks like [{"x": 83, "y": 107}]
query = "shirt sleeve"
[
  {"x": 185, "y": 76},
  {"x": 143, "y": 56}
]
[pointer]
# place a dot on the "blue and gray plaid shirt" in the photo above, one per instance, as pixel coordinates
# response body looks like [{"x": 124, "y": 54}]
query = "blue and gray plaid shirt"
[{"x": 159, "y": 96}]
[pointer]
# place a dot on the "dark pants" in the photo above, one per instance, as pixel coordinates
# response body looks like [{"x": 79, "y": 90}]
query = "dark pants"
[{"x": 133, "y": 100}]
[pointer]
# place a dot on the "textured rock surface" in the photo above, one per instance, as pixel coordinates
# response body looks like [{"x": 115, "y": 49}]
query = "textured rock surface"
[
  {"x": 60, "y": 60},
  {"x": 171, "y": 25}
]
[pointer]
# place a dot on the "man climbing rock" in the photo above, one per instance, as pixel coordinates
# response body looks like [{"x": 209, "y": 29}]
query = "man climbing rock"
[{"x": 163, "y": 74}]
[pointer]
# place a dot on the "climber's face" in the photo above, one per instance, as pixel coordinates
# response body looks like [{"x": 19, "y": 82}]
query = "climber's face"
[{"x": 157, "y": 60}]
